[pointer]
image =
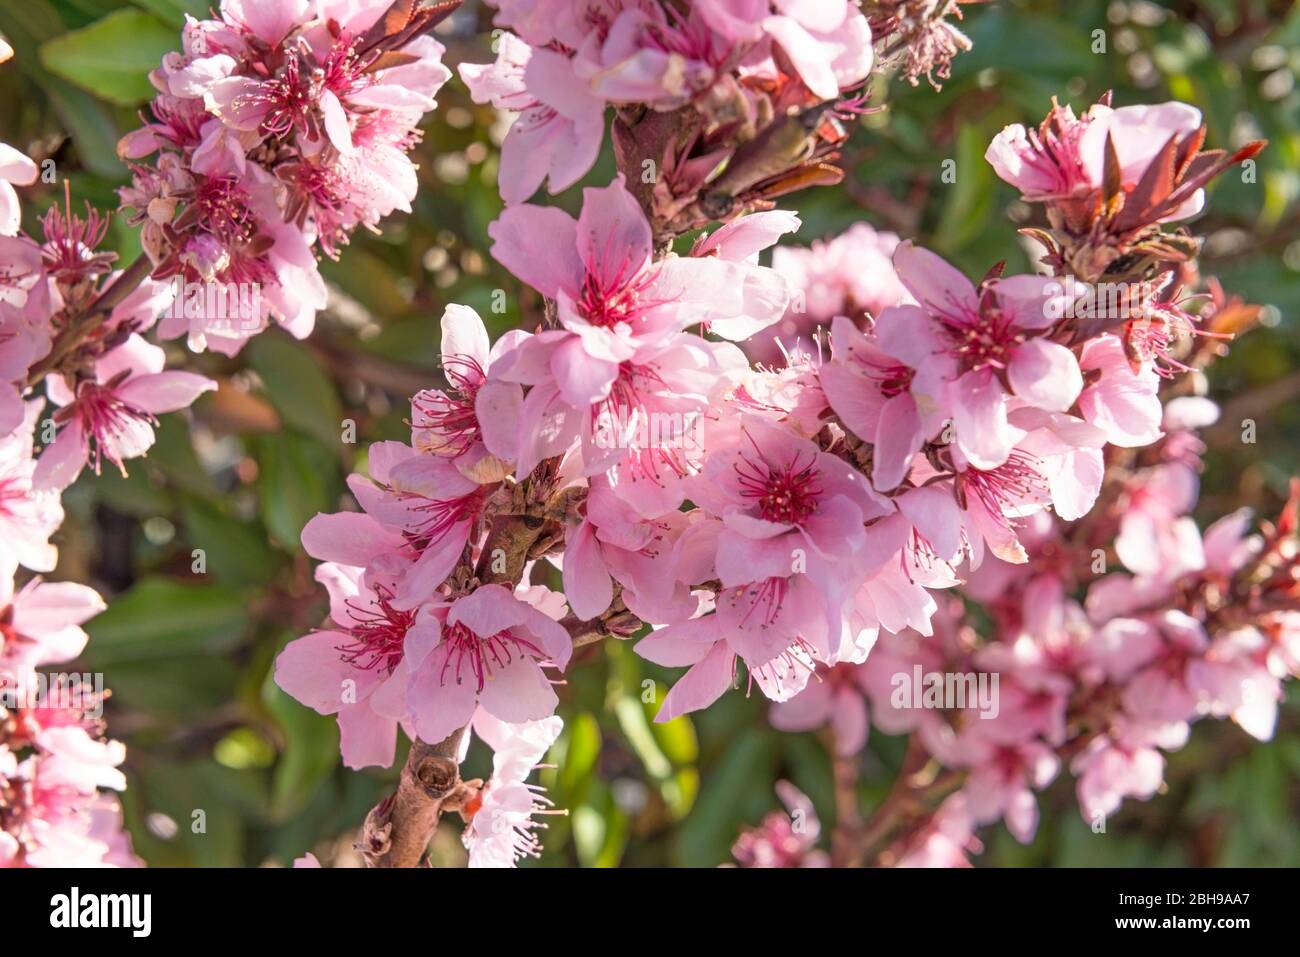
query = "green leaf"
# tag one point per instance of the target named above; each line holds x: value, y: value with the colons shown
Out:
x: 298, y: 387
x: 236, y: 551
x: 173, y: 11
x: 297, y: 481
x: 582, y: 747
x: 112, y: 57
x: 969, y: 199
x: 27, y: 25
x: 171, y: 689
x: 311, y: 751
x: 164, y: 618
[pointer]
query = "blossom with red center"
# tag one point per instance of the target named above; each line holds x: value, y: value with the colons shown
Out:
x: 490, y: 654
x: 974, y: 348
x: 477, y: 412
x: 786, y: 507
x: 620, y: 359
x: 615, y: 542
x: 993, y: 501
x: 112, y: 415
x: 71, y: 244
x: 873, y: 393
x: 358, y: 667
x: 424, y: 501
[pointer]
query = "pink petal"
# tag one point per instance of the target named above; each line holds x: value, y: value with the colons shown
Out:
x: 898, y: 439
x: 548, y: 266
x: 439, y: 703
x: 366, y: 739
x: 63, y: 459
x: 701, y: 686
x: 613, y: 234
x: 980, y: 416
x: 582, y: 379
x: 1045, y: 374
x: 933, y: 282
x: 680, y: 645
x: 498, y: 407
x: 311, y: 671
x: 164, y: 391
x: 349, y: 538
x: 518, y: 692
x: 806, y: 53
x: 587, y: 584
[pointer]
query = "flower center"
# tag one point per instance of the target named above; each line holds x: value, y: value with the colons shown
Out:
x: 287, y: 99
x: 981, y: 340
x: 470, y: 653
x: 784, y: 494
x: 378, y: 633
x: 223, y: 210
x: 620, y: 299
x: 891, y: 380
x: 1006, y: 486
x: 105, y: 416
x: 451, y: 414
x: 438, y: 516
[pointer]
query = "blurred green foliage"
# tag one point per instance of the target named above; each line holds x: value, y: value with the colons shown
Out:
x: 225, y: 769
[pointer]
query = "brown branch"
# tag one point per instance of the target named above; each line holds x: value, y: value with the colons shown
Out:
x: 846, y: 846
x: 616, y: 622
x: 80, y: 327
x: 397, y: 831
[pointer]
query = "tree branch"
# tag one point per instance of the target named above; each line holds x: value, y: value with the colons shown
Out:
x: 80, y: 327
x: 398, y: 829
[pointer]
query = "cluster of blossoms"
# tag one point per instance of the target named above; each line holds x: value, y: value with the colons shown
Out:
x: 53, y: 758
x: 743, y: 96
x: 810, y: 520
x: 279, y: 129
x: 914, y: 440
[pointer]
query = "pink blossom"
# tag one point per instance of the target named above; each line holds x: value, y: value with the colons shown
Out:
x: 1125, y: 765
x: 15, y: 170
x: 833, y: 698
x: 1066, y: 158
x: 619, y: 356
x: 41, y: 624
x: 502, y: 829
x: 27, y: 517
x: 1001, y: 785
x: 1120, y: 398
x: 784, y: 839
x: 846, y: 275
x: 424, y: 501
x: 489, y: 653
x: 358, y: 669
x: 476, y: 412
x: 971, y: 348
x: 117, y: 411
x: 278, y: 128
x: 560, y: 124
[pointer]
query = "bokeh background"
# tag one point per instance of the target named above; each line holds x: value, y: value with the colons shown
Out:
x: 188, y: 656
